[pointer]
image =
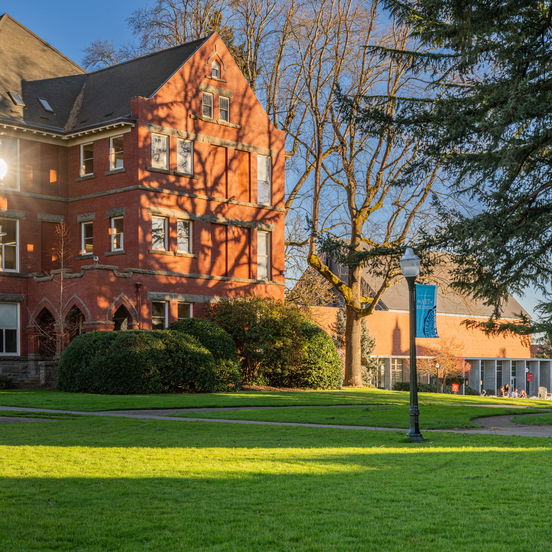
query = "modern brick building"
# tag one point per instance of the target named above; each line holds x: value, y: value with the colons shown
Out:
x: 167, y: 174
x: 491, y: 360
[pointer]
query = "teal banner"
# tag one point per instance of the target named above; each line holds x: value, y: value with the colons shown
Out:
x: 426, y: 310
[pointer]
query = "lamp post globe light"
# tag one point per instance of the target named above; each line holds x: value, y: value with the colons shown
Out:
x: 410, y: 267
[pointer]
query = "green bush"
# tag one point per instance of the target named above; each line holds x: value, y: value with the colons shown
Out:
x: 131, y: 362
x: 319, y: 365
x: 264, y: 331
x: 74, y: 372
x: 277, y: 344
x: 210, y: 335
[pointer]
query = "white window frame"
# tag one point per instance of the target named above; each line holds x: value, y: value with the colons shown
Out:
x: 165, y: 234
x: 18, y: 332
x: 15, y: 166
x: 113, y: 153
x: 190, y: 230
x: 165, y: 314
x: 264, y: 180
x: 179, y: 157
x: 227, y: 118
x: 82, y: 160
x: 216, y: 67
x: 113, y: 234
x: 191, y: 306
x: 3, y: 246
x: 204, y: 105
x: 83, y: 243
x: 263, y: 261
x: 163, y: 164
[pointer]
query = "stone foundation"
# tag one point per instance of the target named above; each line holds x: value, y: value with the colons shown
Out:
x: 29, y: 372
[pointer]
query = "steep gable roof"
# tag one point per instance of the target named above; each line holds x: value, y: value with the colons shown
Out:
x: 34, y: 69
x: 27, y: 60
x: 108, y: 91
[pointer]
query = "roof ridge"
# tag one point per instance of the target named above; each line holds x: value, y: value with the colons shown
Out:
x: 149, y: 55
x: 5, y: 16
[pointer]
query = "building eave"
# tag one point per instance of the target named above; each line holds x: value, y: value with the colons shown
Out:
x: 63, y: 136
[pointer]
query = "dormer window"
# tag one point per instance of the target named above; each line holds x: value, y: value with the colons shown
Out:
x: 16, y: 99
x: 215, y: 69
x: 45, y: 105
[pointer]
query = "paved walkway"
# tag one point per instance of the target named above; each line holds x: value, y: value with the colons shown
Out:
x: 492, y: 425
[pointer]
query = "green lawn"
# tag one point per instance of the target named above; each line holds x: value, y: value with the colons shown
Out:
x: 541, y: 419
x: 83, y: 401
x: 103, y: 484
x: 431, y: 416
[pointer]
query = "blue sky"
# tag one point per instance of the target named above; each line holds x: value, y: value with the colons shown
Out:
x: 71, y: 25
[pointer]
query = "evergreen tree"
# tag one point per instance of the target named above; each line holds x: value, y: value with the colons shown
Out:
x: 489, y: 65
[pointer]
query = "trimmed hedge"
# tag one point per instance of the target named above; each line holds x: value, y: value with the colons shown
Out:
x: 131, y: 362
x: 210, y: 335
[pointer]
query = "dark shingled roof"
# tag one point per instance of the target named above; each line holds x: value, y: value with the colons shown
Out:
x: 395, y: 298
x: 33, y: 69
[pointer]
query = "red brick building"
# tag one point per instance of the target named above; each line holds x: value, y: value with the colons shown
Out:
x: 490, y: 360
x: 167, y: 173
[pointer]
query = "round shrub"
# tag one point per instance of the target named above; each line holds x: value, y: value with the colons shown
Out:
x: 210, y: 335
x: 318, y: 366
x: 74, y: 373
x: 130, y: 362
x: 265, y: 332
x: 277, y: 344
x: 321, y: 366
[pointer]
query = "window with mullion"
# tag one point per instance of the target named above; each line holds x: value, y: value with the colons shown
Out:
x: 116, y: 153
x: 87, y: 159
x: 9, y: 328
x: 117, y: 234
x: 8, y: 244
x: 159, y: 234
x: 185, y: 310
x: 224, y: 109
x: 159, y: 315
x: 263, y: 255
x: 264, y: 184
x: 184, y: 236
x: 87, y: 238
x: 215, y: 69
x: 207, y: 105
x: 185, y: 157
x: 160, y: 151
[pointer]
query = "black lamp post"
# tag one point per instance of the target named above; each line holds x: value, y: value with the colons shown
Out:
x: 410, y: 266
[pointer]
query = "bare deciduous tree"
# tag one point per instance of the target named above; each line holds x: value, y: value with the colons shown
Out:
x: 352, y: 175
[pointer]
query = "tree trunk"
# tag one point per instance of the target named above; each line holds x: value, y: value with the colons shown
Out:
x: 353, y: 366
